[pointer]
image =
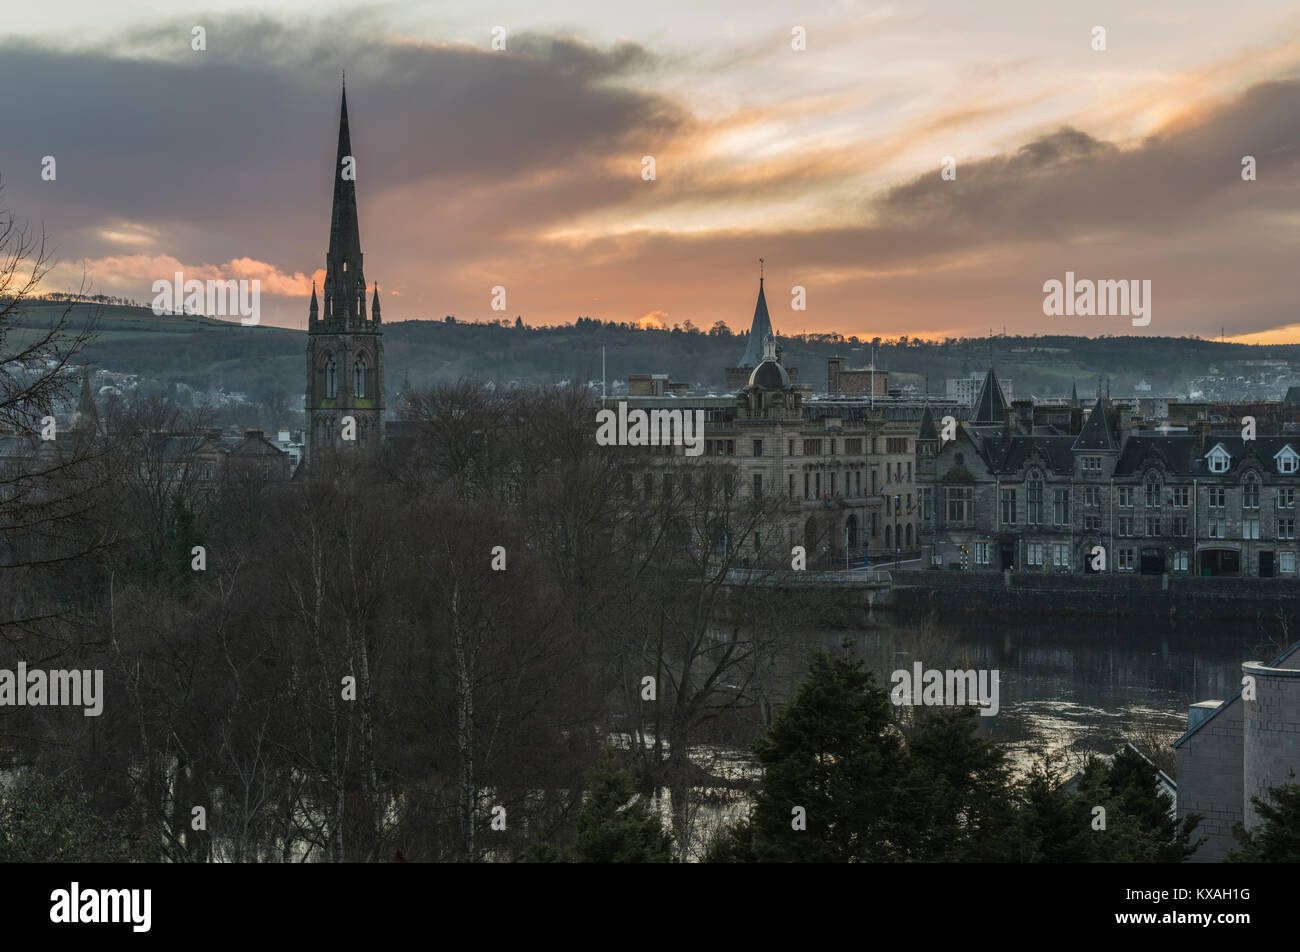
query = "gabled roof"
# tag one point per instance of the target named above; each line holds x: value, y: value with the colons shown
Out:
x: 991, y: 405
x: 1099, y: 433
x: 1277, y: 662
x: 759, y: 331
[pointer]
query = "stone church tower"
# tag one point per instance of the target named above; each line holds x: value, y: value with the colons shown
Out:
x: 345, y: 348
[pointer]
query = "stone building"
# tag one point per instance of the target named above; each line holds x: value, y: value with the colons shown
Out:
x: 345, y: 347
x: 842, y: 468
x: 1043, y: 489
x: 856, y: 382
x: 1238, y: 749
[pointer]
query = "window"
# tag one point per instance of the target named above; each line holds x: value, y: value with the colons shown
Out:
x: 790, y: 491
x: 331, y: 378
x: 359, y: 377
x: 1092, y: 497
x: 1286, y: 499
x: 1250, y: 493
x: 1092, y: 523
x: 1152, y: 494
x: 927, y: 503
x: 873, y: 446
x: 1126, y: 525
x: 207, y: 470
x: 1180, y: 561
x: 807, y: 493
x: 817, y: 484
x: 1180, y: 525
x: 1287, y: 460
x: 1060, y: 555
x: 731, y: 447
x: 1124, y: 560
x: 1286, y: 528
x: 1153, y: 525
x: 758, y: 447
x: 832, y: 449
x: 1035, y: 553
x: 1286, y: 562
x: 1061, y: 507
x: 834, y: 477
x: 1007, y: 505
x: 812, y: 447
x: 959, y: 507
x: 1219, y: 460
x: 1091, y: 465
x: 981, y: 553
x: 668, y: 485
x: 1217, y: 497
x: 1250, y: 528
x: 853, y: 447
x: 1034, y: 513
x: 858, y: 481
x: 909, y: 471
x: 1216, y: 527
x: 648, y: 484
x: 1126, y: 497
x: 895, y: 444
x: 790, y: 451
x: 1180, y: 497
x: 758, y: 485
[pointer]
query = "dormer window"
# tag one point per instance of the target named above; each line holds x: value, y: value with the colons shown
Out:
x: 1219, y: 459
x: 1288, y: 460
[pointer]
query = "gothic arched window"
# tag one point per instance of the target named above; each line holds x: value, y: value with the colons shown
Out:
x: 331, y: 378
x: 359, y: 376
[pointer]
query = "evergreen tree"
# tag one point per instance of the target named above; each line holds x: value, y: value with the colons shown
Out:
x: 834, y: 755
x: 956, y: 802
x: 1277, y: 837
x: 617, y: 826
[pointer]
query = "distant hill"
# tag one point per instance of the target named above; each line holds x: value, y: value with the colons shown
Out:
x: 206, y: 353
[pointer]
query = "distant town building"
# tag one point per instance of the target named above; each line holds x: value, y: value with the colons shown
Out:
x: 1030, y: 488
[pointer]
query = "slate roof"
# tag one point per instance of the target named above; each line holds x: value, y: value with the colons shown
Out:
x: 926, y: 430
x: 991, y: 404
x: 1183, y: 455
x: 1101, y: 430
x: 759, y: 331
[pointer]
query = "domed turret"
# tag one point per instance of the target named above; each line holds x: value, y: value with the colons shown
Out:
x: 769, y: 374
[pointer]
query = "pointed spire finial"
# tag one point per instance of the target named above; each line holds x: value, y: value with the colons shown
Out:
x: 345, y: 79
x: 760, y: 270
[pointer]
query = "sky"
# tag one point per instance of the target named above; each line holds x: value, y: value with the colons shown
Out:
x: 524, y: 167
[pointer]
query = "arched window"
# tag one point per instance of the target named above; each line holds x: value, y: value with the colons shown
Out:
x: 331, y: 378
x: 359, y: 376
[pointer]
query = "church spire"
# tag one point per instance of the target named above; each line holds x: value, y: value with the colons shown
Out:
x: 344, y: 280
x: 374, y: 307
